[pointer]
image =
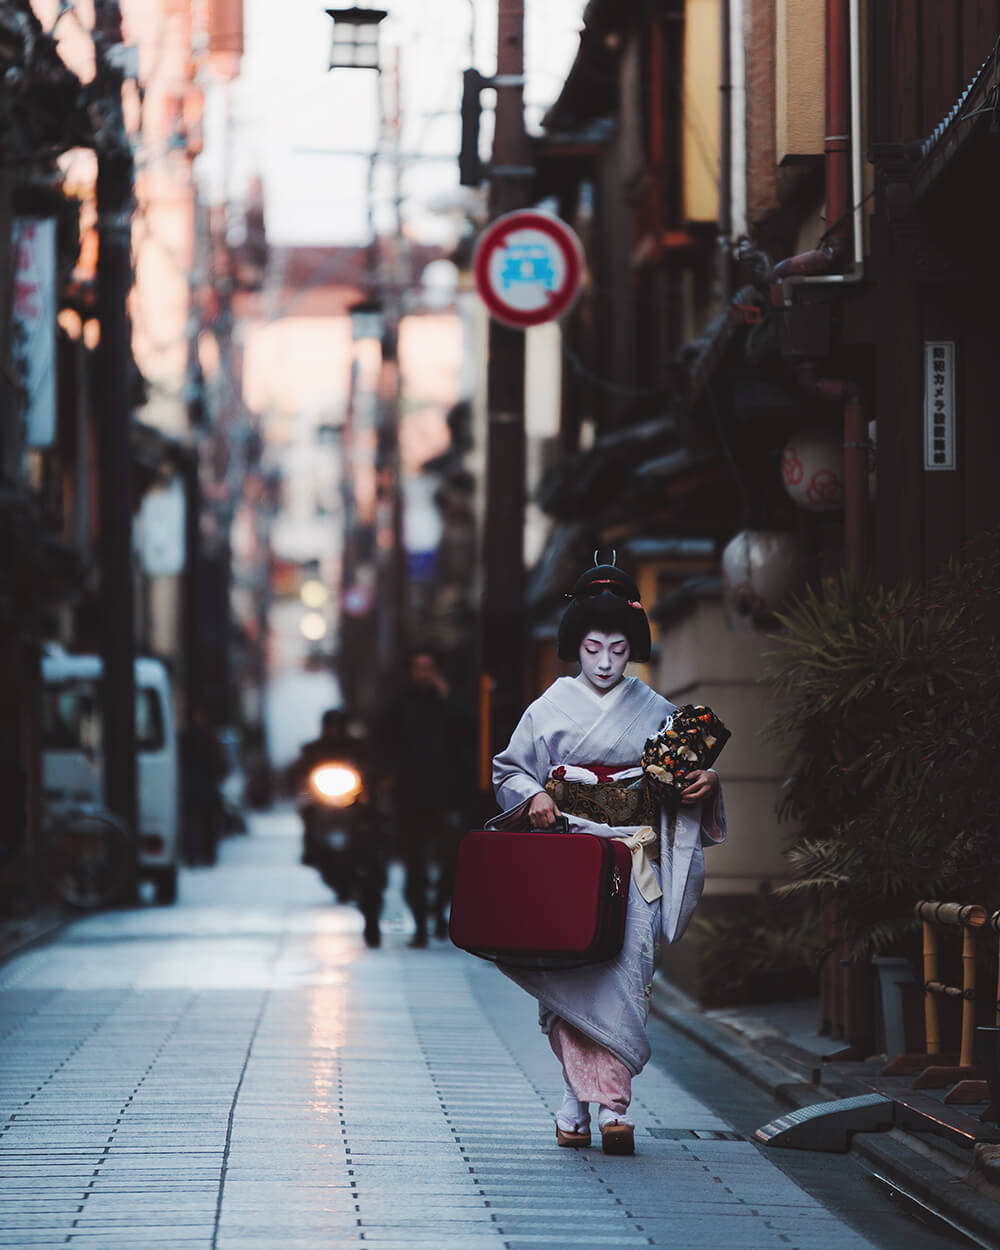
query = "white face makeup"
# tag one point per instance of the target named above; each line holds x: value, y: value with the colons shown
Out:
x: 603, y: 658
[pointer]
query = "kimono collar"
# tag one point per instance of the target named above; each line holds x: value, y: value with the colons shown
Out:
x: 609, y: 697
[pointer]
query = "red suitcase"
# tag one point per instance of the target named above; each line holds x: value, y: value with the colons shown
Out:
x: 540, y: 900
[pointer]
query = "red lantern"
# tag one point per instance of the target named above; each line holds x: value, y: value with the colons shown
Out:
x: 812, y: 468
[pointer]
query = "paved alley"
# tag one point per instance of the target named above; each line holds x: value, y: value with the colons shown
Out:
x: 239, y: 1071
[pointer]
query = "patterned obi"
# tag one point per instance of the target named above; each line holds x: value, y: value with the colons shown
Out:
x: 606, y: 796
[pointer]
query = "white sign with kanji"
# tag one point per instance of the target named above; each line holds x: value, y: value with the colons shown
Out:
x: 939, y: 405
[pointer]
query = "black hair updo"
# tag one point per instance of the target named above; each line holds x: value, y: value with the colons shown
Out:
x: 607, y: 599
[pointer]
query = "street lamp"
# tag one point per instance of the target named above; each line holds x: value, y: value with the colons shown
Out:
x: 356, y: 46
x: 355, y: 38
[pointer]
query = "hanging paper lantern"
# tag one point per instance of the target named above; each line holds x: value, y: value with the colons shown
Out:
x: 812, y: 468
x: 760, y: 568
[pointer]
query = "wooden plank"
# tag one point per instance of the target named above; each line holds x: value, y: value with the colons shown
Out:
x: 980, y: 27
x: 968, y: 1093
x: 911, y: 1064
x: 941, y: 69
x: 940, y: 1076
x: 978, y: 433
x: 879, y: 68
x: 899, y: 413
x: 902, y: 19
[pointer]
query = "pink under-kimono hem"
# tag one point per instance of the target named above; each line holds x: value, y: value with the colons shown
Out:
x: 592, y: 1072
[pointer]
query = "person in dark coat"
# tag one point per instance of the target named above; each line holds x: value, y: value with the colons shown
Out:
x: 203, y: 768
x: 423, y: 742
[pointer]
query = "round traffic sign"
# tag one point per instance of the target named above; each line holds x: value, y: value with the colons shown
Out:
x: 528, y: 267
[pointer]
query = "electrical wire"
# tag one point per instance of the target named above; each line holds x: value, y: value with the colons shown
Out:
x: 607, y: 384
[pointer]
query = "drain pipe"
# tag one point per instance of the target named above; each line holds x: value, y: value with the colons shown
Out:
x: 843, y: 203
x: 843, y: 177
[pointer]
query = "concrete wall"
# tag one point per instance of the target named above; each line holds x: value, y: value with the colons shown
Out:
x: 703, y: 662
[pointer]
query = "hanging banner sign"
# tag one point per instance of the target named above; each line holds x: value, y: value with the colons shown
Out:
x: 529, y: 268
x: 34, y: 248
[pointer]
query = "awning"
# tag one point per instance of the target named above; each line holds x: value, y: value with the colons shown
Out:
x: 591, y: 87
x: 976, y: 111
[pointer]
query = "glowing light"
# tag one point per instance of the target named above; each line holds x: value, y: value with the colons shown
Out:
x: 313, y: 593
x: 338, y: 783
x: 71, y: 322
x: 313, y: 626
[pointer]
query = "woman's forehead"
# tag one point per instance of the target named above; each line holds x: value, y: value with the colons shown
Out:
x: 598, y: 635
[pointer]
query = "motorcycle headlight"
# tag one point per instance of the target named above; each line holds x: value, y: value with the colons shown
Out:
x: 336, y: 784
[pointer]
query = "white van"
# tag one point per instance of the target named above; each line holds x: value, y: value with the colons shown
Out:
x: 72, y: 761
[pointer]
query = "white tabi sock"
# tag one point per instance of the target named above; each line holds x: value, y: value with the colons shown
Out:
x: 606, y: 1116
x: 573, y: 1116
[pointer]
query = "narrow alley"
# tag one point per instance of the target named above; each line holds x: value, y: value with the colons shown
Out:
x: 239, y: 1071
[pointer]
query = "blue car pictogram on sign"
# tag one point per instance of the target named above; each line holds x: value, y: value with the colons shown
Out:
x: 527, y: 263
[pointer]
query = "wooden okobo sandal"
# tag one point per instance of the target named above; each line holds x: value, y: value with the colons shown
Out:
x: 563, y: 1138
x: 618, y: 1138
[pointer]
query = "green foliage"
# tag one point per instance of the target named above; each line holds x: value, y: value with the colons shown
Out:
x: 769, y: 952
x: 889, y: 702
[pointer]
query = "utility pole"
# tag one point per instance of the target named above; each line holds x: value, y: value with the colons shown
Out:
x: 390, y: 555
x: 114, y: 281
x: 511, y: 174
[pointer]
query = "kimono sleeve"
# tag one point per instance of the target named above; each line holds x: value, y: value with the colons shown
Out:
x: 713, y: 820
x: 518, y: 772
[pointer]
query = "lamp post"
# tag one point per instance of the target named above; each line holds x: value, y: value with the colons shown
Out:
x: 356, y: 46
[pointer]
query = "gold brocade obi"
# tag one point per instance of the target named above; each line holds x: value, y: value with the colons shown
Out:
x: 606, y: 802
x: 618, y: 803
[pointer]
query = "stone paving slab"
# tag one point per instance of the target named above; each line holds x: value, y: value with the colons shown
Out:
x: 242, y: 1074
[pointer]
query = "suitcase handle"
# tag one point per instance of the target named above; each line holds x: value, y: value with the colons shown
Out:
x: 516, y: 823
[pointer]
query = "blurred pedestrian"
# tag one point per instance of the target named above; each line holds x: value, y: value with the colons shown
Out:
x: 423, y: 742
x: 203, y: 766
x: 13, y: 832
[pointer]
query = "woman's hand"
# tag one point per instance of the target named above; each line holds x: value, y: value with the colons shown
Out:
x: 700, y: 785
x: 542, y: 812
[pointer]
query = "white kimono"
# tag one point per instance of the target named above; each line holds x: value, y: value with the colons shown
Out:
x: 571, y: 724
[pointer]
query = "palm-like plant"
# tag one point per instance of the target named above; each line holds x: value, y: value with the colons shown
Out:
x: 889, y: 700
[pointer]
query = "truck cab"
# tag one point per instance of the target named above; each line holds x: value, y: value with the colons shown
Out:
x: 73, y: 762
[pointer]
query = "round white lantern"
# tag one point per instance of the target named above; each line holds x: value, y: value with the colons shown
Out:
x: 760, y: 568
x: 812, y: 468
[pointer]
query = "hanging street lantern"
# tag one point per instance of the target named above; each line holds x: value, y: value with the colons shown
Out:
x: 355, y: 38
x: 812, y: 468
x: 760, y: 568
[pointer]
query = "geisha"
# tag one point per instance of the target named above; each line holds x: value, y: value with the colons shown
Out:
x: 576, y: 752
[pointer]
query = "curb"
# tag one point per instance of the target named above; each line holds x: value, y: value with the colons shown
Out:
x: 41, y: 926
x: 964, y: 1199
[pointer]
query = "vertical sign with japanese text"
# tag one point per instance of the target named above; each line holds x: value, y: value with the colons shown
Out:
x: 34, y: 244
x: 939, y: 405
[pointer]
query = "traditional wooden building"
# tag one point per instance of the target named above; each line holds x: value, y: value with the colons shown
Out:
x: 783, y: 363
